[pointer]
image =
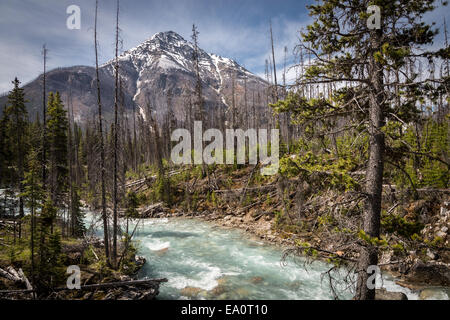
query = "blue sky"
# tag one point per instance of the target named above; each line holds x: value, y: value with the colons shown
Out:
x: 230, y: 28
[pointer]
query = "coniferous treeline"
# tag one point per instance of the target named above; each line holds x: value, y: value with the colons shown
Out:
x: 47, y: 202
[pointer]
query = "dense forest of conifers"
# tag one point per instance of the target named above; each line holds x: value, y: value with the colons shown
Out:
x: 368, y: 111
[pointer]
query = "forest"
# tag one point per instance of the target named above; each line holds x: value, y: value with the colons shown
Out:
x: 363, y: 177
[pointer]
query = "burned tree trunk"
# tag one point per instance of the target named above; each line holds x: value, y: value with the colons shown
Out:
x: 102, y: 145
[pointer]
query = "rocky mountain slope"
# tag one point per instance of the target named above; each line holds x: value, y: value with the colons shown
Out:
x: 160, y: 65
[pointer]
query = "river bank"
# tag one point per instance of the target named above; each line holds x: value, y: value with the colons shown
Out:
x: 98, y: 281
x: 427, y: 282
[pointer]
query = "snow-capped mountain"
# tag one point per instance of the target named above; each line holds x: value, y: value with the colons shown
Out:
x: 148, y: 72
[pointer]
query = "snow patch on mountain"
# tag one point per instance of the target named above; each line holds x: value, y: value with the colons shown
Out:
x: 166, y: 63
x: 167, y: 53
x: 216, y: 59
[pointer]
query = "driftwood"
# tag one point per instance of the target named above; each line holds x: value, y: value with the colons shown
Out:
x: 25, y: 279
x: 145, y: 180
x: 6, y: 274
x: 150, y: 210
x: 117, y: 284
x: 256, y: 218
x: 12, y: 271
x: 422, y: 190
x: 97, y: 286
x: 240, y: 190
x: 248, y: 183
x: 96, y: 257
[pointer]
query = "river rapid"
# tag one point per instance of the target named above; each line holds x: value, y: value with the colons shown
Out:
x: 204, y: 261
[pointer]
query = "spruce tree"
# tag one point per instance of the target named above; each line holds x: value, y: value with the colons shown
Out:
x: 5, y: 150
x: 33, y: 195
x: 78, y: 228
x: 57, y: 126
x: 48, y: 262
x: 16, y: 128
x: 359, y: 57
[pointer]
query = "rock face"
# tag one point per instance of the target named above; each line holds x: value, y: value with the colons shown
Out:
x: 160, y: 65
x: 383, y: 294
x: 430, y: 274
x: 434, y: 294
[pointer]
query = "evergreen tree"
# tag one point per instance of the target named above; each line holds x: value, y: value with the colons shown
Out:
x: 33, y: 195
x: 360, y: 58
x: 49, y: 268
x: 57, y: 126
x: 132, y: 204
x: 16, y: 127
x: 78, y: 228
x: 5, y: 151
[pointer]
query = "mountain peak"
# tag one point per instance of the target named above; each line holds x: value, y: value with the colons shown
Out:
x: 167, y: 36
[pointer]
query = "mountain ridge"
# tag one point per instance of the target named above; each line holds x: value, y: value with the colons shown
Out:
x: 159, y: 65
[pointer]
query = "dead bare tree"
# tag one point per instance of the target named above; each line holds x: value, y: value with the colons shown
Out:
x: 44, y: 118
x: 116, y: 122
x: 102, y: 144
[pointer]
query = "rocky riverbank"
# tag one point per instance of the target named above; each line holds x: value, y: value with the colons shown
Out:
x: 421, y: 276
x: 98, y: 281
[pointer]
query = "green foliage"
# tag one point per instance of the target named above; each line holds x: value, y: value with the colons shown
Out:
x: 50, y: 267
x: 332, y: 171
x: 398, y: 249
x: 422, y: 163
x: 13, y: 136
x: 278, y: 218
x: 325, y: 220
x: 399, y: 225
x: 214, y: 198
x: 57, y: 127
x: 132, y: 203
x: 161, y: 189
x: 33, y: 192
x: 374, y: 241
x: 78, y: 215
x: 128, y: 265
x: 436, y: 242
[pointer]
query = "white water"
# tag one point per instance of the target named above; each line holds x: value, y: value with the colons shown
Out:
x: 193, y: 253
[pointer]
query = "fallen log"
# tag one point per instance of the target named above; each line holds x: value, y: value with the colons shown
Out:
x: 25, y: 279
x: 422, y: 190
x: 239, y: 190
x: 13, y: 272
x: 117, y: 284
x: 256, y: 218
x: 9, y: 276
x: 149, y: 211
x: 96, y: 286
x: 149, y: 179
x: 248, y: 183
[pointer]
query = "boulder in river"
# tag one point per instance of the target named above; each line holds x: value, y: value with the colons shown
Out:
x: 139, y: 260
x: 433, y: 294
x: 242, y: 293
x: 430, y: 274
x: 222, y: 280
x: 162, y: 251
x: 190, y: 292
x: 383, y: 294
x: 217, y: 291
x: 295, y: 285
x: 256, y: 280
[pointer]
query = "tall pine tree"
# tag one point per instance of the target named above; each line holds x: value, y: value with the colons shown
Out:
x: 16, y: 128
x: 351, y: 51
